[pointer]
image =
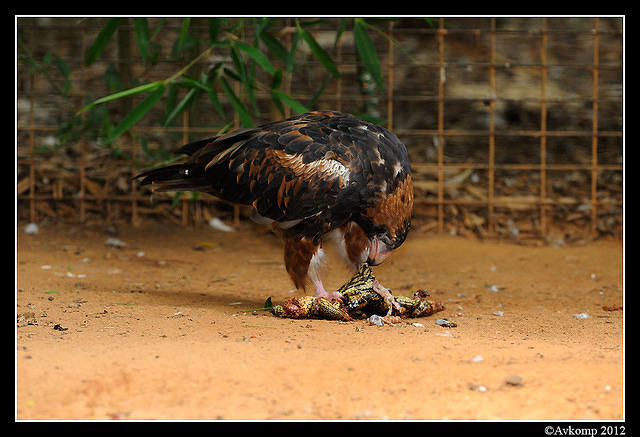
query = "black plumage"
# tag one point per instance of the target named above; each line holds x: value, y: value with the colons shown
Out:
x: 308, y: 175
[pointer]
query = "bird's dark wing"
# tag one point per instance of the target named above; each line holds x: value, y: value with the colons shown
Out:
x: 310, y: 173
x: 305, y: 168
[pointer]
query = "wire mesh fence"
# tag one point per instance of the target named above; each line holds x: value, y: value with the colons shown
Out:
x: 514, y: 126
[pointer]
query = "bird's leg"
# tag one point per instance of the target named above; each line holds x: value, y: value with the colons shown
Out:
x: 321, y: 292
x: 315, y: 266
x: 303, y: 259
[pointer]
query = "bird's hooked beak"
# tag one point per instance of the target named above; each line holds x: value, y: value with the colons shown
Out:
x: 378, y: 252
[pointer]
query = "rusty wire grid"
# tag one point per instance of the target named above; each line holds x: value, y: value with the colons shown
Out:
x: 514, y: 126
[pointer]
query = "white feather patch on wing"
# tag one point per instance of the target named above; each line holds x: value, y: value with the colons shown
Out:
x: 324, y: 167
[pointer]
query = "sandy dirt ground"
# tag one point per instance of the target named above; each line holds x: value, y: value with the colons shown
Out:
x: 155, y: 329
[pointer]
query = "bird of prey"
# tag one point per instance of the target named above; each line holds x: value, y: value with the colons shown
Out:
x: 317, y: 176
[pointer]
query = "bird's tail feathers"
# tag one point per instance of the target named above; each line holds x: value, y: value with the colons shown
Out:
x: 190, y: 176
x: 178, y: 177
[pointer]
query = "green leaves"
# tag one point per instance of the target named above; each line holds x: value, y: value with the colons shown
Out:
x: 101, y: 40
x: 257, y: 56
x: 275, y: 47
x: 177, y: 109
x: 367, y: 51
x: 319, y: 53
x: 241, y: 63
x: 183, y: 33
x: 289, y: 101
x: 137, y: 113
x: 142, y: 37
x: 241, y: 110
x: 137, y: 90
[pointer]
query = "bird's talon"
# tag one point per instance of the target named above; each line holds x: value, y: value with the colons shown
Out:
x: 335, y: 296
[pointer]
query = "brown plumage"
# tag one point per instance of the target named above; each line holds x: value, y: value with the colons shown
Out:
x: 313, y: 176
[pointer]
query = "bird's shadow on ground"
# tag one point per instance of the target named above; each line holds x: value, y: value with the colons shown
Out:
x: 206, y: 299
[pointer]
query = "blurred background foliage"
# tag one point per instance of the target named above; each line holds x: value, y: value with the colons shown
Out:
x: 235, y: 58
x: 511, y: 123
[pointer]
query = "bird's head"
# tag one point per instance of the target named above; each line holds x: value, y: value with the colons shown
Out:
x: 383, y: 243
x: 388, y: 221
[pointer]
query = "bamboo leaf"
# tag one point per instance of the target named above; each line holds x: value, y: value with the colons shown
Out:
x: 65, y: 71
x: 170, y: 101
x: 101, y: 40
x: 292, y: 52
x: 62, y: 66
x: 137, y: 90
x: 245, y: 118
x: 320, y: 53
x: 216, y: 103
x: 232, y: 74
x: 367, y: 52
x: 250, y: 86
x: 275, y: 84
x: 224, y: 129
x: 257, y: 56
x: 213, y: 95
x: 136, y: 113
x: 276, y: 101
x: 319, y: 92
x: 112, y: 79
x: 239, y: 65
x: 291, y: 102
x: 156, y: 31
x: 275, y: 47
x: 192, y: 83
x: 260, y: 24
x: 371, y: 118
x: 189, y: 65
x: 142, y: 37
x: 430, y: 21
x: 276, y: 80
x: 340, y: 31
x: 183, y: 33
x: 180, y: 106
x: 214, y: 28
